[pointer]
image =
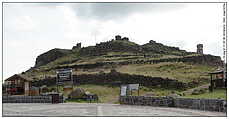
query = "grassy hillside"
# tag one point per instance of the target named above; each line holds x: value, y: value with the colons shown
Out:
x: 185, y: 72
x: 178, y: 70
x: 108, y: 94
x: 217, y: 93
x: 151, y: 59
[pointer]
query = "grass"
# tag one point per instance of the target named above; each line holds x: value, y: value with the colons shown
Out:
x: 156, y: 91
x: 108, y: 94
x: 217, y: 93
x: 180, y: 71
x: 80, y: 101
x: 176, y: 70
x: 126, y: 43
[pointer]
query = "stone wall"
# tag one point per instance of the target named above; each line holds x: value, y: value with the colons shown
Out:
x: 30, y: 99
x: 27, y: 99
x: 204, y: 59
x: 116, y: 79
x: 201, y: 104
x: 150, y: 101
x: 218, y: 105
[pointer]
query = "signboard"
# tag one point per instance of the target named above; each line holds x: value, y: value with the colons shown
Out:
x: 64, y: 75
x: 123, y: 90
x: 133, y: 86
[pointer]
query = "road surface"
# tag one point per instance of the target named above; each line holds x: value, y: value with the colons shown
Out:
x: 97, y: 109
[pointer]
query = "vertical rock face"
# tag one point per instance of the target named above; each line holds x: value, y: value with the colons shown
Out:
x: 50, y: 56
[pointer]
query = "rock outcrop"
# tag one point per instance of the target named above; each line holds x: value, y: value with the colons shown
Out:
x: 50, y: 56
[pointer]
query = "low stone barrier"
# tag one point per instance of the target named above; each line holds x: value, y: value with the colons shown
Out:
x: 218, y: 105
x: 201, y: 104
x: 27, y: 99
x: 151, y: 101
x: 121, y: 78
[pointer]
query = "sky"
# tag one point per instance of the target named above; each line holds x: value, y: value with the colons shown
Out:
x: 30, y: 29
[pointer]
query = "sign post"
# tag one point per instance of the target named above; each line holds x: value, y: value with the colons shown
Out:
x: 123, y: 91
x: 127, y: 89
x: 131, y: 87
x: 64, y: 76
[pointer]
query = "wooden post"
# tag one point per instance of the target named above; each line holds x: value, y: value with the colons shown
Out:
x: 57, y: 83
x: 57, y: 90
x: 211, y: 86
x: 138, y: 91
x: 72, y: 80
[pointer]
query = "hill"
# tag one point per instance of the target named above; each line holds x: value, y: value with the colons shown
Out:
x: 50, y: 56
x: 119, y: 54
x: 119, y: 61
x: 150, y: 59
x: 118, y: 46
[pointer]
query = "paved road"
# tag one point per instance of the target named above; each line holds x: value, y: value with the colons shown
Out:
x: 93, y: 109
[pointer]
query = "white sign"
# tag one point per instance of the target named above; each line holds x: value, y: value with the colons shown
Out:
x: 123, y: 90
x: 133, y: 86
x: 64, y: 75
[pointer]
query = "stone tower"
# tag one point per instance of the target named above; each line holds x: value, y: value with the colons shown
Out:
x: 199, y: 49
x: 77, y: 46
x: 118, y: 37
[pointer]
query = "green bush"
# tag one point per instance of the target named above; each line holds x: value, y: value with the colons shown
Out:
x: 195, y: 92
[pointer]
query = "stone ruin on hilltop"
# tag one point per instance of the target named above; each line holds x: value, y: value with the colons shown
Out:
x: 77, y: 46
x: 118, y: 37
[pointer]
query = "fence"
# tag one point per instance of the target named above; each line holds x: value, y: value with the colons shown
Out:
x: 201, y: 104
x: 29, y: 99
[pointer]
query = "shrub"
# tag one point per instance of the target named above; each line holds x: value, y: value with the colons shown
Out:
x: 202, y: 91
x: 196, y: 92
x: 45, y: 90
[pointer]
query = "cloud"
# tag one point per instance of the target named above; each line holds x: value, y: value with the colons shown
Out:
x: 25, y: 23
x: 32, y: 29
x: 117, y: 11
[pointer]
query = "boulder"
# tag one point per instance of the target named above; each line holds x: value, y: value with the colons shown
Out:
x: 77, y: 93
x: 150, y: 94
x: 173, y: 95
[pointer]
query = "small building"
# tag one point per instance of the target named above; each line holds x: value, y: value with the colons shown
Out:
x: 218, y: 79
x: 18, y: 85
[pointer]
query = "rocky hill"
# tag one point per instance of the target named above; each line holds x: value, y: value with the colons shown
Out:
x: 50, y: 56
x: 118, y: 45
x: 120, y: 54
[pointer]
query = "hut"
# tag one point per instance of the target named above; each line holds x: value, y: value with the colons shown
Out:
x: 218, y: 79
x: 18, y: 85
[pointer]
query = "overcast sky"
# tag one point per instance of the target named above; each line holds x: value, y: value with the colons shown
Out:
x: 30, y: 29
